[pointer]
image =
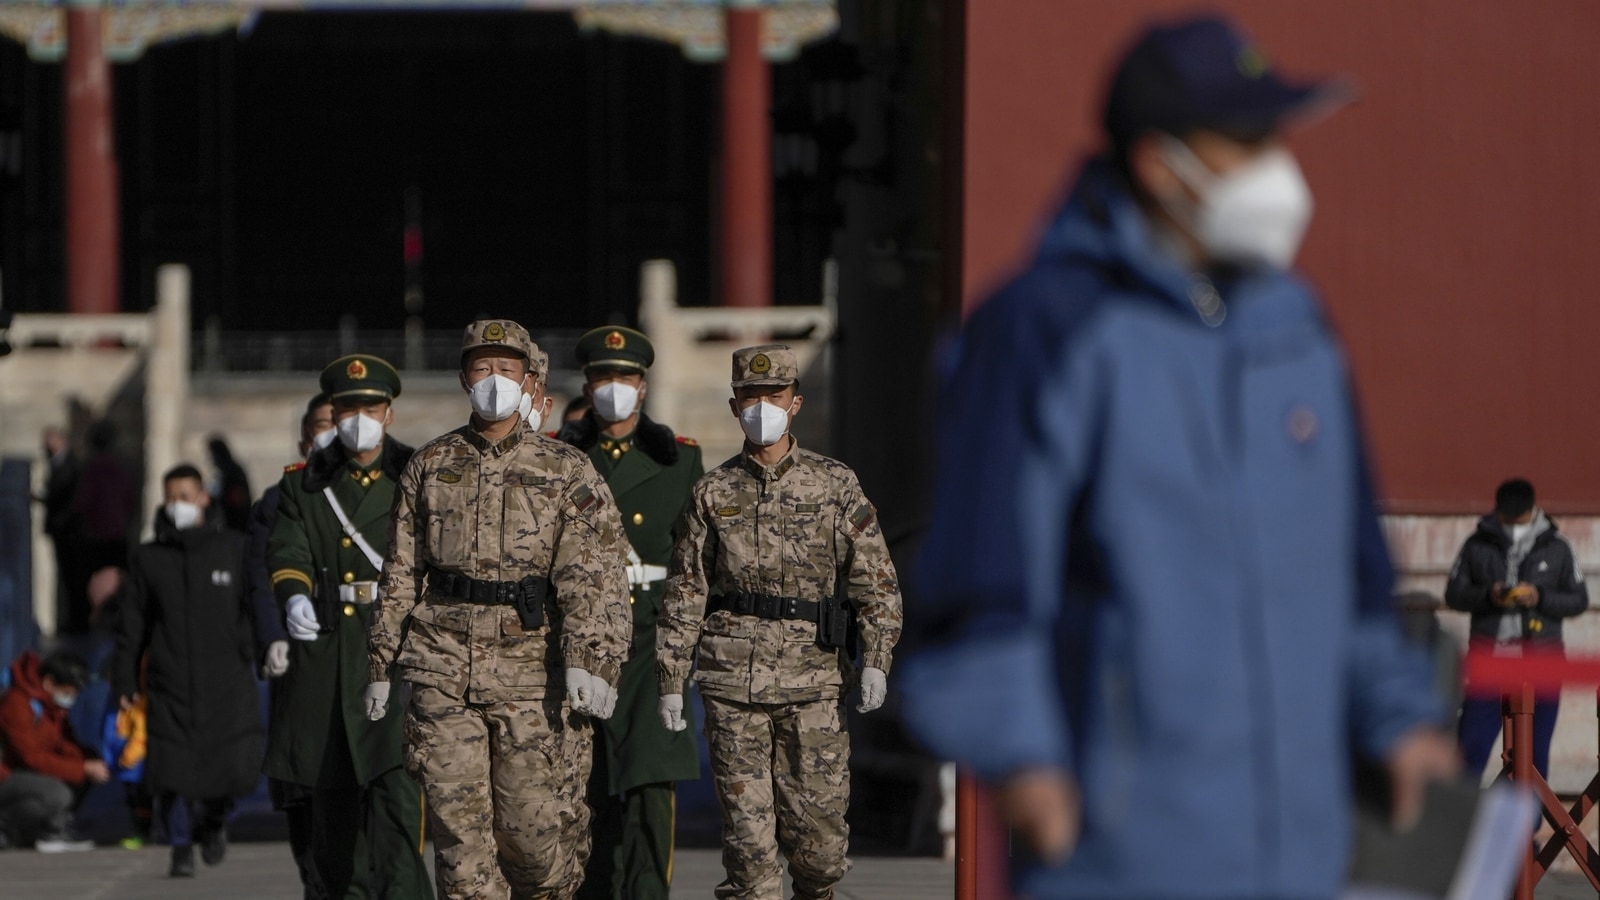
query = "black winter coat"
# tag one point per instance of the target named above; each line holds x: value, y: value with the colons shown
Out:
x: 185, y: 604
x: 1549, y: 566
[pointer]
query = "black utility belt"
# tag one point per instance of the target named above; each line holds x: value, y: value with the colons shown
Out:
x: 527, y: 595
x: 766, y: 606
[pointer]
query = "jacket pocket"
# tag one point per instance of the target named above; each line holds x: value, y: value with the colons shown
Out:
x: 723, y: 656
x: 805, y: 663
x: 433, y: 654
x: 520, y: 656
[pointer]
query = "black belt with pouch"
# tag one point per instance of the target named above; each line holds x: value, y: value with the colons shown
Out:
x: 832, y: 616
x: 528, y: 595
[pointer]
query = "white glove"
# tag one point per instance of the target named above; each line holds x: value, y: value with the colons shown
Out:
x: 590, y: 695
x: 301, y: 617
x: 377, y: 700
x: 670, y: 709
x: 874, y: 687
x: 277, y: 659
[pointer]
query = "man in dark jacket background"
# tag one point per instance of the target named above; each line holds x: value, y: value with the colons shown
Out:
x: 185, y: 603
x: 1518, y: 578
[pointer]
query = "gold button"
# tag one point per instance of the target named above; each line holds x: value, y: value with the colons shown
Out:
x: 349, y: 577
x: 638, y: 518
x: 349, y: 609
x: 1536, y: 625
x: 366, y: 482
x: 617, y: 453
x: 344, y: 542
x: 630, y: 598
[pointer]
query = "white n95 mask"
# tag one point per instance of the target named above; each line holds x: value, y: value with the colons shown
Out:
x: 184, y: 515
x: 615, y: 401
x: 764, y: 423
x: 360, y: 433
x: 324, y: 438
x: 495, y: 398
x: 1255, y: 215
x: 533, y: 418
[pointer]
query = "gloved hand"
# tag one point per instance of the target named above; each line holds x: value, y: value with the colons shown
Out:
x: 277, y: 659
x: 580, y: 691
x: 301, y: 617
x: 605, y: 698
x: 670, y: 709
x: 377, y: 696
x: 874, y: 687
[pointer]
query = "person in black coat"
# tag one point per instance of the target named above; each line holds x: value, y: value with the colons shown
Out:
x: 186, y: 615
x: 1518, y: 578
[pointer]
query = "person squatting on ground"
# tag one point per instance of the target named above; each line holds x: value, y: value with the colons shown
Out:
x: 504, y: 584
x: 1156, y: 600
x: 650, y: 472
x: 316, y: 432
x: 781, y: 558
x: 324, y: 554
x: 184, y: 624
x: 44, y: 771
x: 1518, y: 578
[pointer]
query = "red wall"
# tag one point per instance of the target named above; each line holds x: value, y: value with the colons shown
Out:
x: 1458, y: 217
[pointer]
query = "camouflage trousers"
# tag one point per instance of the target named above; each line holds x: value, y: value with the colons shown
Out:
x: 504, y: 783
x: 782, y: 776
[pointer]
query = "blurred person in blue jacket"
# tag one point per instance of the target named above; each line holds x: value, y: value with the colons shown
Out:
x: 1155, y: 600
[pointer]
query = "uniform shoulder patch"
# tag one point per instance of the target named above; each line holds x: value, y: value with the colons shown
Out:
x: 863, y: 516
x: 688, y: 441
x: 584, y: 498
x: 294, y: 467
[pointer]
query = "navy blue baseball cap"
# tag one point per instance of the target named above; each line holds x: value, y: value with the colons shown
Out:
x: 1203, y: 73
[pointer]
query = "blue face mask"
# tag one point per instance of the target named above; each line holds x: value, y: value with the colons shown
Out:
x: 64, y: 701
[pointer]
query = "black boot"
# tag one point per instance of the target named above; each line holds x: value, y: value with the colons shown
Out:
x: 215, y: 845
x: 182, y: 862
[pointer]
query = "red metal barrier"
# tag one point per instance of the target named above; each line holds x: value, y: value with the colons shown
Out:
x: 1517, y: 679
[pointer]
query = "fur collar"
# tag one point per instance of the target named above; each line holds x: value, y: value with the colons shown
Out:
x: 656, y: 440
x: 330, y: 461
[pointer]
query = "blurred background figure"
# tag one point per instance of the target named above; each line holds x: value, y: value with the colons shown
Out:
x: 231, y: 489
x: 576, y: 408
x: 1518, y: 577
x: 1156, y: 600
x: 61, y: 524
x: 44, y: 771
x: 184, y: 603
x: 105, y: 506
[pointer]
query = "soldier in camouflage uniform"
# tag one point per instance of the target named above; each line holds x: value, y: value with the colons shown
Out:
x: 504, y: 585
x: 770, y: 541
x: 364, y: 813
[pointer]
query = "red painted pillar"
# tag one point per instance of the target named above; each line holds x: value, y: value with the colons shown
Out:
x: 92, y: 209
x: 746, y: 163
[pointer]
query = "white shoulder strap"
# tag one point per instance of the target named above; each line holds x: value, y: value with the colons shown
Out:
x: 351, y: 532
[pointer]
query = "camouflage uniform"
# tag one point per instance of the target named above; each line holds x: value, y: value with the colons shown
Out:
x: 779, y: 751
x: 501, y: 757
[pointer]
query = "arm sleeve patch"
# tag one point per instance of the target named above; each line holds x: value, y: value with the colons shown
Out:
x: 862, y: 517
x: 584, y: 499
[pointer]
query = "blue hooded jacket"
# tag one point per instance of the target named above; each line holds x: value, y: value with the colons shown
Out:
x: 1161, y: 568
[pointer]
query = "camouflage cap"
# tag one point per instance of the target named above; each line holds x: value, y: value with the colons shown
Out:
x: 360, y: 375
x: 614, y: 346
x: 766, y: 364
x: 505, y: 334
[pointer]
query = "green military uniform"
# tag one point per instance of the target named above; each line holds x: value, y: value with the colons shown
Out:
x: 366, y: 812
x: 650, y: 473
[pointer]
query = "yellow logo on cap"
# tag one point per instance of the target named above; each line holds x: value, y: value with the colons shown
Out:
x: 1251, y: 63
x: 615, y: 341
x: 357, y: 369
x: 760, y: 364
x: 494, y: 331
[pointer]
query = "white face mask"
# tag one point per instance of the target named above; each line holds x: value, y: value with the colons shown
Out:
x: 1255, y: 215
x: 184, y: 515
x: 323, y: 439
x: 615, y: 401
x: 534, y: 418
x: 495, y: 398
x: 764, y: 423
x: 360, y: 433
x: 64, y: 701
